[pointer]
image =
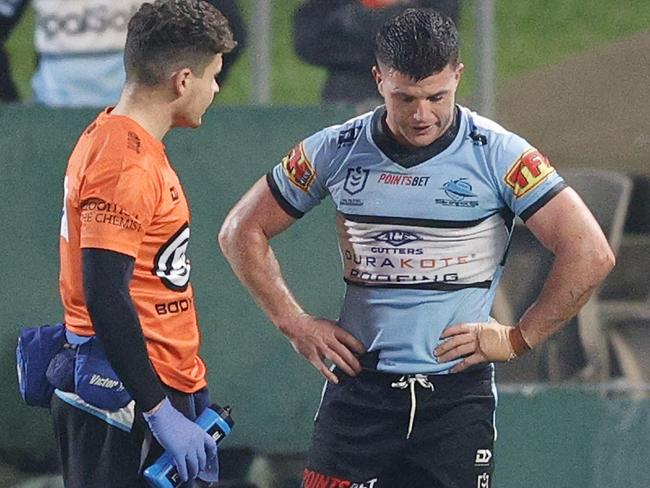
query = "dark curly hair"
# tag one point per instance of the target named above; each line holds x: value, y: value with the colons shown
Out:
x: 166, y: 35
x: 417, y: 43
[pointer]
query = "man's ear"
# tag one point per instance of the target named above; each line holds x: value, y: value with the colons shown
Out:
x: 181, y: 80
x: 459, y: 70
x: 376, y: 74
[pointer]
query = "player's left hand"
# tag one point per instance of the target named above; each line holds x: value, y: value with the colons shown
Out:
x: 480, y: 342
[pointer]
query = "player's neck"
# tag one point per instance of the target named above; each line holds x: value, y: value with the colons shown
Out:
x: 149, y: 108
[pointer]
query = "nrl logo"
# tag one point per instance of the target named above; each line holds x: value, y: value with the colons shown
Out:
x: 356, y: 179
x: 397, y: 237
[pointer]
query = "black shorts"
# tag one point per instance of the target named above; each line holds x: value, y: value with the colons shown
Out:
x: 96, y: 454
x: 380, y: 430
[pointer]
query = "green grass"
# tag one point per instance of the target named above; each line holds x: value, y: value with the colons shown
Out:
x: 531, y: 37
x: 531, y: 34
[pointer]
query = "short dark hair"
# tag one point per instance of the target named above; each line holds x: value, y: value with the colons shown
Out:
x: 418, y: 43
x: 166, y: 35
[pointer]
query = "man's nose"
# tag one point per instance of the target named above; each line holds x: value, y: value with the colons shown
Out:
x: 421, y: 113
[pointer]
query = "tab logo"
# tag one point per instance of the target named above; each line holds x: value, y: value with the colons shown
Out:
x: 483, y: 457
x: 356, y: 179
x: 531, y: 169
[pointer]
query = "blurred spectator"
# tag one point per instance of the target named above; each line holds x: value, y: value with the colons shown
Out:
x: 338, y: 35
x: 232, y: 11
x: 79, y: 45
x: 10, y: 11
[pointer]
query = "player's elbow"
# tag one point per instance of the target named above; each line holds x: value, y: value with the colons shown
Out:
x: 591, y: 255
x: 228, y: 236
x: 235, y: 236
x: 606, y: 260
x: 601, y: 260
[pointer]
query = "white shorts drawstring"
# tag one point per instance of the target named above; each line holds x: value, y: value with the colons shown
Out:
x: 409, y: 381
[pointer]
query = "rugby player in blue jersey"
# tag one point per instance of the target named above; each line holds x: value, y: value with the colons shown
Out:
x: 425, y: 192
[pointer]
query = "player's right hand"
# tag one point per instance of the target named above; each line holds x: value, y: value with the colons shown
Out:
x: 192, y: 449
x: 321, y: 340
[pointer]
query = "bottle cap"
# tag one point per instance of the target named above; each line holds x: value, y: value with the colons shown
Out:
x: 224, y: 413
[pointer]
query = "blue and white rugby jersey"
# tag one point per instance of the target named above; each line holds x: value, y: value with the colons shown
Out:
x: 422, y: 235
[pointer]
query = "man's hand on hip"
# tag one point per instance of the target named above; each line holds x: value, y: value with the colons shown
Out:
x: 319, y: 340
x: 480, y: 342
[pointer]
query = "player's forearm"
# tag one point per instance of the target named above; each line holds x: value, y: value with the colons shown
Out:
x: 254, y: 263
x: 106, y: 277
x: 576, y: 273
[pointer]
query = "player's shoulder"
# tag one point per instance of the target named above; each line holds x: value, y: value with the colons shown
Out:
x: 121, y: 141
x: 490, y: 129
x: 322, y: 152
x: 332, y: 144
x: 497, y: 141
x: 343, y: 135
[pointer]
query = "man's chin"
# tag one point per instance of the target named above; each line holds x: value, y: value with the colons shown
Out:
x: 187, y: 124
x: 418, y: 141
x: 195, y: 122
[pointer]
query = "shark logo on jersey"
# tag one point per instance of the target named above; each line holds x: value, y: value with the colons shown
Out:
x: 356, y: 179
x: 397, y: 237
x: 458, y: 190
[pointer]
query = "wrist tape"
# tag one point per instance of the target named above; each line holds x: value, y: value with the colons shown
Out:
x: 500, y: 342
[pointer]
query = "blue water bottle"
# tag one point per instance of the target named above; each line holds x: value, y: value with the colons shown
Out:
x: 216, y: 421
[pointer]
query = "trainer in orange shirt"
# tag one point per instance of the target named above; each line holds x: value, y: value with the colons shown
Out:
x: 124, y: 277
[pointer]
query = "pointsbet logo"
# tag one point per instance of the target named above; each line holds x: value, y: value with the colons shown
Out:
x: 313, y: 479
